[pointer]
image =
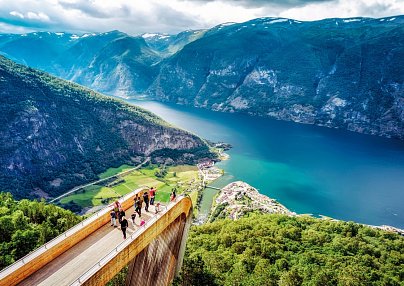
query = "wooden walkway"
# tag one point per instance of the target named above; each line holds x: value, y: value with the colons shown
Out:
x: 66, y: 268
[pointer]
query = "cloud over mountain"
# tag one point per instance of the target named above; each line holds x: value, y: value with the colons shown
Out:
x: 172, y: 16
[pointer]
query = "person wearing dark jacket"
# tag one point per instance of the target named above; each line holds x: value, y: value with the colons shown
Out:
x: 173, y: 196
x: 133, y: 216
x: 124, y: 225
x: 121, y: 214
x: 146, y: 201
x: 138, y: 206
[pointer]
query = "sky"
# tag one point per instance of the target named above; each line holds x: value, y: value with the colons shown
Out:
x: 172, y: 16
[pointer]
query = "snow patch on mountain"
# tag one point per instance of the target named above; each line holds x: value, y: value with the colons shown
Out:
x: 277, y: 21
x: 352, y: 20
x: 154, y: 35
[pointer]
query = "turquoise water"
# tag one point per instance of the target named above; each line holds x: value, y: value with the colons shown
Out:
x: 309, y: 169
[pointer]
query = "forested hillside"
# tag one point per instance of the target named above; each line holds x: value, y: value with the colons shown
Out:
x: 55, y: 135
x: 25, y: 225
x: 340, y: 73
x: 281, y: 250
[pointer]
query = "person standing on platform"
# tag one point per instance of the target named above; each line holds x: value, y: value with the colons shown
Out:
x: 133, y: 216
x: 152, y: 194
x: 124, y: 225
x: 138, y: 206
x: 146, y: 201
x: 121, y: 214
x: 134, y: 201
x: 173, y: 196
x: 157, y: 207
x: 116, y: 207
x: 113, y: 218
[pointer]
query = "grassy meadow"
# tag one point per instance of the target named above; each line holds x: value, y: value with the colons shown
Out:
x: 183, y: 177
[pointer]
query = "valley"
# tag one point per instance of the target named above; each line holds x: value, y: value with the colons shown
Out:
x: 349, y: 76
x: 269, y: 133
x: 56, y: 135
x: 182, y: 178
x: 308, y: 169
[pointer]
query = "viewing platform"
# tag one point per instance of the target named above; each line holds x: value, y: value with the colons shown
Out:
x: 93, y: 252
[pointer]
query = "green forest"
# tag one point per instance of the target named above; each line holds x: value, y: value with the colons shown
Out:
x: 259, y: 249
x: 281, y: 250
x: 57, y: 135
x: 26, y: 225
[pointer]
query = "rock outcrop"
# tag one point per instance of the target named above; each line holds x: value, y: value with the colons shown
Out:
x: 340, y: 73
x: 55, y: 134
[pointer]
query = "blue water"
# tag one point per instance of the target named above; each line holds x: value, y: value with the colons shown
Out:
x: 309, y: 169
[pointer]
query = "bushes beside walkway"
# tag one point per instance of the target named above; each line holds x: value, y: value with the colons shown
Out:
x: 26, y: 225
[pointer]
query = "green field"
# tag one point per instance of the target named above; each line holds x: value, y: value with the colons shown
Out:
x: 180, y: 177
x: 113, y: 171
x: 90, y: 196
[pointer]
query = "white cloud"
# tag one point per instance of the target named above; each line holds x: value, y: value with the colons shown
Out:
x: 17, y: 14
x: 209, y: 14
x: 141, y: 16
x: 31, y: 16
x: 6, y: 28
x: 37, y: 16
x: 346, y: 9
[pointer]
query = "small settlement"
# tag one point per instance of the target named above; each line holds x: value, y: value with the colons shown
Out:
x: 238, y: 198
x: 208, y: 171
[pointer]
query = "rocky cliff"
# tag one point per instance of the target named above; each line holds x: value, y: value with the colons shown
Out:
x: 55, y: 134
x: 342, y: 73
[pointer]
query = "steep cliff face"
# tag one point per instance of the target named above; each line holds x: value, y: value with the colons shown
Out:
x: 122, y: 67
x: 343, y: 73
x: 112, y: 62
x: 56, y: 134
x: 166, y: 45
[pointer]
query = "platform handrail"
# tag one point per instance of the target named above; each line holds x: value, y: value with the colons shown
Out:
x: 104, y: 260
x: 35, y: 253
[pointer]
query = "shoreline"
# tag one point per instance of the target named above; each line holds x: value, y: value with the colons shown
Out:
x: 209, y: 173
x: 238, y: 198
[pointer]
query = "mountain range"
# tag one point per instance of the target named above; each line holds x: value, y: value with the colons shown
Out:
x: 56, y: 134
x: 341, y: 73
